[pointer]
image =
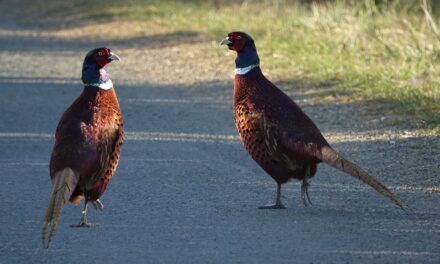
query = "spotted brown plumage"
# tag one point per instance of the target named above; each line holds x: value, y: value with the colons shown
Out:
x: 88, y: 143
x: 278, y: 135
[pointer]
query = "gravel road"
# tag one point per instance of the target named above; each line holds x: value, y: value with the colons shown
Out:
x: 185, y: 190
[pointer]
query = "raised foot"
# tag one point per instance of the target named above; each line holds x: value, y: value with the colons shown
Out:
x: 273, y: 206
x: 98, y: 205
x: 85, y: 225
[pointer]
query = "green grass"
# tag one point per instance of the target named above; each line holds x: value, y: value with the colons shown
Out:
x: 386, y: 54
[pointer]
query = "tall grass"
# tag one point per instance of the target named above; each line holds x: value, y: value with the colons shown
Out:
x: 382, y: 51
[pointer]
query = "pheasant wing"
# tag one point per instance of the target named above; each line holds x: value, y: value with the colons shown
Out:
x: 108, y: 152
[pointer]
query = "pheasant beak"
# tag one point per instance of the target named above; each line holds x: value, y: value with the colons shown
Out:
x: 226, y: 41
x: 113, y: 57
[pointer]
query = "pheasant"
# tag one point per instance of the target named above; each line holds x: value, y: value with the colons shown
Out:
x: 88, y: 143
x: 278, y: 135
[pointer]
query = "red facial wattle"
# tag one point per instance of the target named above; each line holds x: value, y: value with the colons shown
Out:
x: 102, y: 57
x: 237, y: 45
x: 101, y: 61
x: 237, y: 42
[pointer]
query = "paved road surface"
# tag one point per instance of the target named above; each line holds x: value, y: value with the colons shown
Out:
x: 185, y: 190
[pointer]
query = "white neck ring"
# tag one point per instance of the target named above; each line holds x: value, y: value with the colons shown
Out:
x: 243, y: 71
x: 105, y: 86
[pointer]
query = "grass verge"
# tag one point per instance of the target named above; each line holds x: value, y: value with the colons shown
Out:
x: 384, y: 54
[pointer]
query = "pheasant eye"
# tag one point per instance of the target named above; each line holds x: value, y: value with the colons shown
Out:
x: 238, y: 37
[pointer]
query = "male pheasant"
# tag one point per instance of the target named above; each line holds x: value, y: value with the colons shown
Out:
x: 278, y: 135
x: 87, y: 145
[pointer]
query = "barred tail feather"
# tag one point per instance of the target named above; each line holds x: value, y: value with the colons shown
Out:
x: 332, y: 158
x: 63, y: 187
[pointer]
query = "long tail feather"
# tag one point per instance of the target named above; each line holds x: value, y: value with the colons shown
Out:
x: 333, y: 159
x: 62, y: 189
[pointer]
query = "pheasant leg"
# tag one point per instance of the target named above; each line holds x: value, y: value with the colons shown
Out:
x: 305, y: 193
x: 83, y: 222
x: 278, y: 204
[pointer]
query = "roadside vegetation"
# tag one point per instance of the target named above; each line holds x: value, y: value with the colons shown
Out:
x: 384, y: 53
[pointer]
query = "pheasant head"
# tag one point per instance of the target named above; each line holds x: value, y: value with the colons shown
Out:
x: 100, y: 57
x: 247, y: 56
x: 93, y: 73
